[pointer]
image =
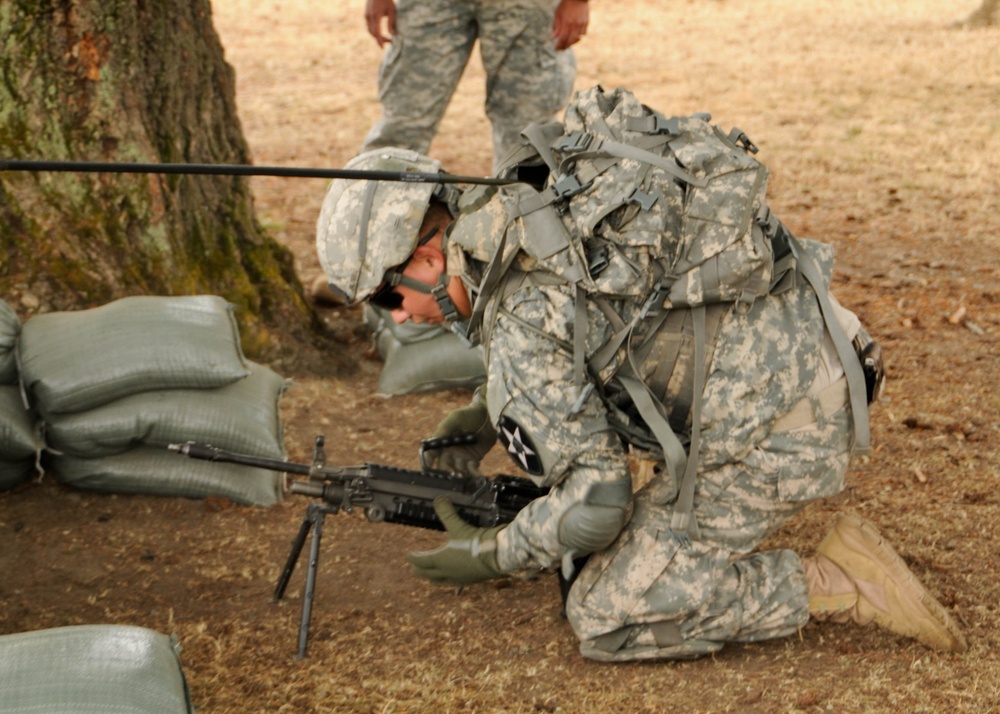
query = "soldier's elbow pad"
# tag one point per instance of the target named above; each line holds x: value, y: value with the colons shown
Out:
x: 594, y: 523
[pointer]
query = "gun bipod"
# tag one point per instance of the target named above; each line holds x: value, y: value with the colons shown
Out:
x: 316, y: 513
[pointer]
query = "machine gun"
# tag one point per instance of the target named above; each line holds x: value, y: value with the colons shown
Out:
x: 383, y: 493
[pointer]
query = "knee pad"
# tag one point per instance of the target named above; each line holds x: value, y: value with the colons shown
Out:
x: 595, y: 522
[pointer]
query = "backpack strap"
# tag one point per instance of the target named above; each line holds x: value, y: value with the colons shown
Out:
x: 673, y: 451
x: 857, y: 389
x: 670, y: 381
x: 598, y: 154
x: 606, y: 352
x: 790, y: 261
x: 683, y: 521
x: 682, y: 467
x: 495, y: 270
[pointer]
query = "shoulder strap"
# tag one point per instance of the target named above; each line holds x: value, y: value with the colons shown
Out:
x: 845, y: 350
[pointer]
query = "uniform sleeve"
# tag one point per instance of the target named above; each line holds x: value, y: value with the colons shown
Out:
x: 569, y: 446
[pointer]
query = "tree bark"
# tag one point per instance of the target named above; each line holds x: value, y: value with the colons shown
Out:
x: 984, y: 16
x: 135, y: 81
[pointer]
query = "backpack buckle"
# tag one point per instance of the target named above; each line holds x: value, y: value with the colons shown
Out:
x: 566, y: 186
x: 738, y: 137
x: 644, y: 200
x: 662, y: 125
x: 574, y: 141
x: 597, y: 260
x: 654, y: 302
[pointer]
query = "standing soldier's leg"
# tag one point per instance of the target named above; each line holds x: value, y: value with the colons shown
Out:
x: 526, y: 79
x: 420, y: 71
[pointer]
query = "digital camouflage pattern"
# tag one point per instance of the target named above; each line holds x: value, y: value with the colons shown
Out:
x: 367, y: 227
x: 652, y: 595
x: 648, y: 595
x: 526, y: 79
x: 648, y: 591
x: 703, y: 230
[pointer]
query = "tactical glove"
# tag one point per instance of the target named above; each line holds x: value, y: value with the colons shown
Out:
x: 469, y: 556
x: 463, y: 458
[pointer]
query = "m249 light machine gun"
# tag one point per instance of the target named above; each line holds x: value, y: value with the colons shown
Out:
x: 384, y: 493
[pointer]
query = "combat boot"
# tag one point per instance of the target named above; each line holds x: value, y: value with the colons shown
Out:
x: 856, y: 576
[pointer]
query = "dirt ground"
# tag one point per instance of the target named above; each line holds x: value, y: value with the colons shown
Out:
x: 880, y: 123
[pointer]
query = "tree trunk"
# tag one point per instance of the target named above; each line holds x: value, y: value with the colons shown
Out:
x: 984, y: 16
x: 135, y: 81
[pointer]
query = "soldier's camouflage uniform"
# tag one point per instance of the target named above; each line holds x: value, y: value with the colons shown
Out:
x: 527, y: 80
x: 650, y: 594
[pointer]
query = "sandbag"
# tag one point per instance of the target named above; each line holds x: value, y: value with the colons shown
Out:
x: 10, y: 327
x: 13, y: 473
x: 242, y: 416
x: 74, y: 361
x: 159, y: 472
x: 18, y: 436
x: 92, y: 669
x: 422, y: 358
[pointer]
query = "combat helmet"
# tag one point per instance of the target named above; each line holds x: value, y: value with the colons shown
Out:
x: 367, y: 227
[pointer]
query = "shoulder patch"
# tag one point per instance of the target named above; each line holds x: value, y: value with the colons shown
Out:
x: 519, y: 446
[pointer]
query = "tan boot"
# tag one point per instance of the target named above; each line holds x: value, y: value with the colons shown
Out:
x: 856, y: 576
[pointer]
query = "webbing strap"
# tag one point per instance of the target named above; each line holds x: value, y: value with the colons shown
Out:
x: 683, y: 520
x: 602, y: 160
x: 682, y: 467
x: 603, y: 356
x: 366, y: 213
x: 579, y: 337
x: 602, y: 155
x: 845, y: 350
x: 494, y: 271
x: 673, y: 451
x: 626, y: 151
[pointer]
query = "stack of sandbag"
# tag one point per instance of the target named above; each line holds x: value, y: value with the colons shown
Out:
x: 19, y: 437
x: 422, y: 358
x: 92, y: 668
x: 116, y: 384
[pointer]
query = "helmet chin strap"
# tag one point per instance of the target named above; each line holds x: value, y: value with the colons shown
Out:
x: 439, y: 290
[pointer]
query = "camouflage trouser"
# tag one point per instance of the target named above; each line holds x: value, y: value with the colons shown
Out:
x: 526, y: 79
x: 650, y: 596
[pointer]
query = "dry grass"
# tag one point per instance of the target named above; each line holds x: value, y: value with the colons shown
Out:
x: 880, y: 124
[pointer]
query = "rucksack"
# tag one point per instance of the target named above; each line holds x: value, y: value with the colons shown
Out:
x: 669, y: 216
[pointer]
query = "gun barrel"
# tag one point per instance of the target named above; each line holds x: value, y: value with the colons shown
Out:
x: 212, y: 453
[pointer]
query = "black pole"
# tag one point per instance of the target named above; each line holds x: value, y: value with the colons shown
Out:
x: 244, y: 170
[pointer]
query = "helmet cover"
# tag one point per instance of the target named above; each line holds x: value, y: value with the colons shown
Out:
x: 368, y: 226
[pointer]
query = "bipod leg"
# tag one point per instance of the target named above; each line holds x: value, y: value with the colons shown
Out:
x: 293, y: 555
x: 318, y: 516
x: 314, y: 518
